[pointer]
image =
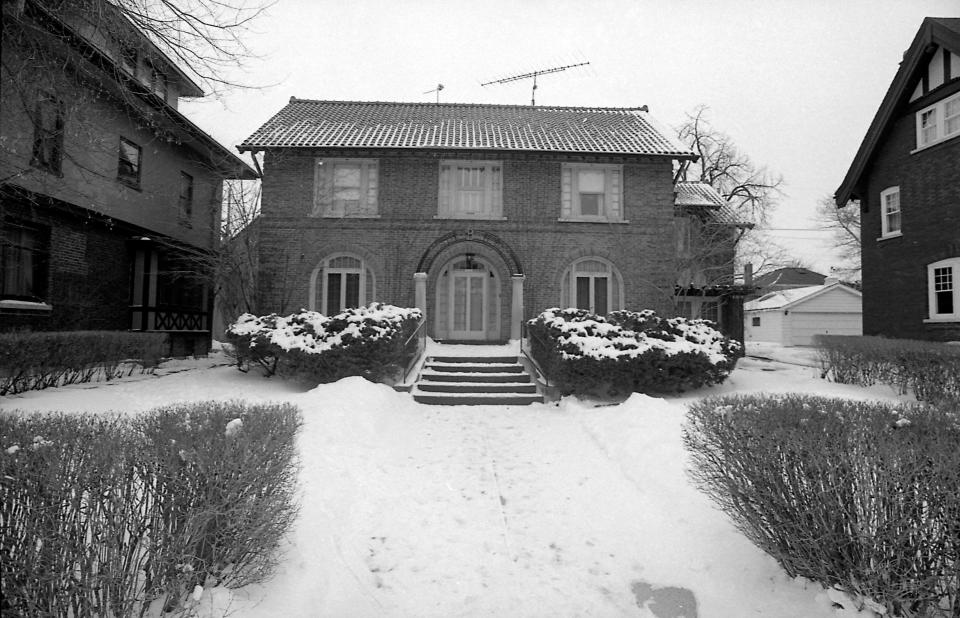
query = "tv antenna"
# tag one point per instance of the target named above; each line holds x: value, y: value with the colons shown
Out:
x: 534, y: 74
x: 437, y: 90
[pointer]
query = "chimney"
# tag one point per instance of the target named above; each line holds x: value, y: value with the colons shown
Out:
x: 748, y: 274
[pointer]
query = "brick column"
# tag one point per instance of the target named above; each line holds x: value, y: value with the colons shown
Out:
x: 516, y: 307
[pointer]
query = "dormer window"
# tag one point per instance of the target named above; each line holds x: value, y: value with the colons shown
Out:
x: 938, y: 122
x: 128, y: 58
x: 158, y: 83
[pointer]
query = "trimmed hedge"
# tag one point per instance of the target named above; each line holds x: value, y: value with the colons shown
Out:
x: 38, y: 360
x: 115, y: 516
x: 628, y: 351
x: 861, y: 496
x: 374, y: 342
x: 929, y: 370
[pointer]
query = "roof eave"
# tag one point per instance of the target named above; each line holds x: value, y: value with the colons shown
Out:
x: 247, y: 147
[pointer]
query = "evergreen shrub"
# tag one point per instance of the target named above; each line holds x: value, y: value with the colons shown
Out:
x: 374, y: 342
x: 628, y: 351
x: 929, y: 370
x: 125, y: 515
x: 38, y: 360
x: 861, y: 496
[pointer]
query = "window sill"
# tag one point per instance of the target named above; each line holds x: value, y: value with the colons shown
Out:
x: 468, y: 218
x: 889, y: 236
x: 934, y: 143
x: 596, y: 220
x: 332, y: 216
x: 25, y: 305
x: 942, y: 320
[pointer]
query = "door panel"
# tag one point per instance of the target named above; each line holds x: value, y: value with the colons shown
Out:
x: 467, y: 304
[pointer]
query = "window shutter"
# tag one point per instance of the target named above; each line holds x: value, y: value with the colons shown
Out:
x: 566, y: 191
x: 322, y: 188
x: 613, y: 194
x: 371, y: 173
x: 443, y: 202
x: 496, y: 190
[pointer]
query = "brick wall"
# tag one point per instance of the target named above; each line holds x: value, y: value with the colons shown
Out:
x: 895, y: 270
x: 292, y: 244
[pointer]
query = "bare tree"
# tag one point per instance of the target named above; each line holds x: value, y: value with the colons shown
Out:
x: 844, y: 224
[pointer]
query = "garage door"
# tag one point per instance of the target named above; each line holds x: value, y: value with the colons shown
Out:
x: 805, y: 325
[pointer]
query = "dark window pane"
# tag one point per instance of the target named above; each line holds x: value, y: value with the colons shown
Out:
x: 583, y: 293
x: 333, y: 293
x: 353, y: 290
x: 128, y: 163
x: 186, y: 196
x: 591, y: 204
x: 944, y: 302
x: 23, y: 261
x: 48, y: 133
x: 600, y: 295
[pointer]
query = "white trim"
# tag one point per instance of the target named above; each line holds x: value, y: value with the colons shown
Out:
x: 939, y: 110
x: 885, y: 231
x: 450, y: 190
x: 954, y: 265
x: 323, y: 268
x: 25, y: 305
x: 613, y: 279
x: 324, y: 204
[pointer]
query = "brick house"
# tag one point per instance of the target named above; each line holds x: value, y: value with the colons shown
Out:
x: 481, y: 215
x: 109, y: 196
x: 906, y: 177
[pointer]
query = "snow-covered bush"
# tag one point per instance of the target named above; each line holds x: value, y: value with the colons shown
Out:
x: 366, y: 341
x: 861, y: 496
x: 108, y: 516
x: 38, y: 360
x: 629, y: 351
x: 929, y: 370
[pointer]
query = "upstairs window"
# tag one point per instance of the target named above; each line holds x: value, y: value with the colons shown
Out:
x: 158, y: 83
x: 48, y: 133
x: 185, y: 206
x: 890, y: 212
x: 591, y: 192
x: 470, y: 190
x: 345, y: 188
x: 128, y: 163
x: 943, y: 283
x: 938, y: 122
x: 23, y: 262
x: 128, y: 58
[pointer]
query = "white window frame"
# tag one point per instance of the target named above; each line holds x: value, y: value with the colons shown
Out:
x: 612, y: 275
x: 939, y: 133
x: 324, y: 203
x: 885, y: 231
x: 452, y: 191
x: 612, y: 195
x: 954, y: 265
x: 319, y: 278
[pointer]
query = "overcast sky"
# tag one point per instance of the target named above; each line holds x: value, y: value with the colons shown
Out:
x: 795, y: 83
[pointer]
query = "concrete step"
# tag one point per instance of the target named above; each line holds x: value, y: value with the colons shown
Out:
x: 477, y: 387
x: 511, y: 360
x: 474, y: 367
x: 452, y: 376
x: 488, y: 399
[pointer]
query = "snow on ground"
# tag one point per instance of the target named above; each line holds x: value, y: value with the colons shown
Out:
x: 574, y: 509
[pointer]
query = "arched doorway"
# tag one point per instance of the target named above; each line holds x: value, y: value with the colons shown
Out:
x: 468, y: 291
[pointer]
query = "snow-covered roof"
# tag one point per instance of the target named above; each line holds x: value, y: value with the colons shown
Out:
x: 785, y: 299
x: 702, y: 199
x: 304, y: 123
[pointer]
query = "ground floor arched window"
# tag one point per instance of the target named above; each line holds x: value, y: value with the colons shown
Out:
x: 340, y: 282
x: 592, y: 283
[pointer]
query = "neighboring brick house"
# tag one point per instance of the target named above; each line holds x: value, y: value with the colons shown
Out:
x: 481, y: 215
x: 109, y: 196
x: 906, y: 176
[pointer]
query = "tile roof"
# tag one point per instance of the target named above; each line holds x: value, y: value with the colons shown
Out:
x: 791, y: 275
x: 353, y: 124
x: 703, y: 200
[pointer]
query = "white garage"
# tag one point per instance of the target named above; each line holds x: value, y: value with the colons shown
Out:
x: 793, y: 317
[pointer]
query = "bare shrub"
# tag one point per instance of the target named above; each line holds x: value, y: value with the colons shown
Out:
x: 857, y: 495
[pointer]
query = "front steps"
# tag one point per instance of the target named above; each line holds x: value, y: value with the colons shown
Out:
x: 475, y: 381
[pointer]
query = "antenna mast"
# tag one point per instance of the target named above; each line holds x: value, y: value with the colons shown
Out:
x: 534, y: 74
x: 437, y: 90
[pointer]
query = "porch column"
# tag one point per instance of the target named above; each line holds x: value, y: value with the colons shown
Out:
x: 516, y: 307
x: 420, y: 292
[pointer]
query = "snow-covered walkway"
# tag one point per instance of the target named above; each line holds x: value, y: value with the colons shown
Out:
x: 542, y: 510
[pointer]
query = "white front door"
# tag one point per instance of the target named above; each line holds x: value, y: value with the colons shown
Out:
x: 468, y: 300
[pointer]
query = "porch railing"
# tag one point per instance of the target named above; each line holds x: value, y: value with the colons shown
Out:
x: 525, y: 350
x: 168, y: 318
x: 420, y: 334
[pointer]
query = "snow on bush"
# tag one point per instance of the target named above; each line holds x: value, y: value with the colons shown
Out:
x: 860, y: 496
x: 366, y: 341
x: 629, y: 351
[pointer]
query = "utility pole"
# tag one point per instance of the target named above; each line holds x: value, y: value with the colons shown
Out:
x: 534, y: 74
